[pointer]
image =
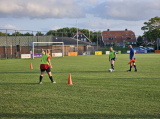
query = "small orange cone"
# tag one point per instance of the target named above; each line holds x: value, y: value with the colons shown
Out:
x: 31, y: 67
x: 69, y: 80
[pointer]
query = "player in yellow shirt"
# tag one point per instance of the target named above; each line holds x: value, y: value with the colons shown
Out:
x: 112, y: 56
x: 46, y: 66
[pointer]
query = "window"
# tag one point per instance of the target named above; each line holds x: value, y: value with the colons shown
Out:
x: 128, y: 38
x: 132, y: 42
x: 81, y: 35
x: 128, y: 42
x: 132, y: 34
x: 104, y: 38
x: 104, y: 34
x: 122, y: 37
x: 110, y: 39
x: 109, y: 34
x: 78, y: 35
x: 84, y: 39
x: 115, y: 37
x: 126, y: 34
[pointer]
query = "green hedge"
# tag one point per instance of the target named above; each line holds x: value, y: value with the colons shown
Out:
x: 123, y: 50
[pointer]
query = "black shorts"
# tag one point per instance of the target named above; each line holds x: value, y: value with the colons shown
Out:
x: 113, y: 59
x: 47, y: 70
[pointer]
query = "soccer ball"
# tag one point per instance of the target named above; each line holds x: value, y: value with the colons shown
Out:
x: 109, y: 70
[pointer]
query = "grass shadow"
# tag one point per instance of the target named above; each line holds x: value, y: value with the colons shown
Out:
x: 20, y: 83
x: 73, y: 115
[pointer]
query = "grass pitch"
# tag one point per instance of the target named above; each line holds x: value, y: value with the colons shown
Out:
x: 95, y: 93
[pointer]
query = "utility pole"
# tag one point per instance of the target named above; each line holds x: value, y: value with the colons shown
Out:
x: 97, y: 40
x: 89, y: 30
x: 77, y: 36
x: 62, y: 36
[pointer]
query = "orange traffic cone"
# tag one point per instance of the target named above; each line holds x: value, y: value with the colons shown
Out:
x: 69, y: 80
x: 31, y: 67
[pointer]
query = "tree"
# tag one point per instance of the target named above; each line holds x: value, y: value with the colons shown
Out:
x: 126, y: 43
x: 70, y: 32
x: 2, y: 34
x: 39, y: 34
x: 17, y: 34
x: 139, y: 40
x: 28, y: 34
x: 115, y: 43
x: 152, y: 28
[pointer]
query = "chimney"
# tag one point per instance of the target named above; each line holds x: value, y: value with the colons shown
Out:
x: 125, y: 29
x: 107, y: 29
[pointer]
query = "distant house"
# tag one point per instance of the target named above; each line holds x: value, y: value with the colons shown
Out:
x: 71, y: 41
x: 81, y: 37
x: 110, y: 37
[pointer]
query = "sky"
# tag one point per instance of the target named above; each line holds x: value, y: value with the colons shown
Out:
x: 45, y: 15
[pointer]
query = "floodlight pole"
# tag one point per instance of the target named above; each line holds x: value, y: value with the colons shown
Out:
x: 97, y: 40
x: 77, y: 36
x: 89, y: 30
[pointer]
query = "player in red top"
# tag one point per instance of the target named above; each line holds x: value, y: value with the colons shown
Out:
x: 46, y: 66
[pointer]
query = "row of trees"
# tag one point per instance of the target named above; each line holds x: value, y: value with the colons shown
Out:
x: 65, y: 32
x: 151, y: 30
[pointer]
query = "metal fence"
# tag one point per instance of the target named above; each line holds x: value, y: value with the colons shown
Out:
x: 18, y: 42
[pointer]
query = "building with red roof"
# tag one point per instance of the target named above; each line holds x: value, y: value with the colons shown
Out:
x: 110, y: 37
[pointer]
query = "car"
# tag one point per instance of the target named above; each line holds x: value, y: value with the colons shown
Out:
x: 136, y: 48
x: 141, y: 49
x: 150, y: 48
x: 144, y: 48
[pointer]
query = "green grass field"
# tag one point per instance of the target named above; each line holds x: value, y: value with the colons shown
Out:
x: 95, y: 93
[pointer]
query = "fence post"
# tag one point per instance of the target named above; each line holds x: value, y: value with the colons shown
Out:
x: 157, y: 44
x: 19, y: 48
x: 12, y: 47
x: 5, y: 45
x: 15, y: 45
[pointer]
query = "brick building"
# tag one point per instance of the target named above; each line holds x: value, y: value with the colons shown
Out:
x: 110, y: 37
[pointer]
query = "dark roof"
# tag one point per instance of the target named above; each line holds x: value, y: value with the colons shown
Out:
x: 79, y: 32
x: 119, y: 36
x: 71, y: 41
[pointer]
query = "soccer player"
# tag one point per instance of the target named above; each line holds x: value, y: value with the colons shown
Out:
x: 112, y: 56
x: 46, y: 66
x: 132, y: 56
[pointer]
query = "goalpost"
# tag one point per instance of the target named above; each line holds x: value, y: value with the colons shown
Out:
x: 59, y: 44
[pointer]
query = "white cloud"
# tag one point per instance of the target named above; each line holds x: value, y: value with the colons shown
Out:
x: 8, y: 7
x: 131, y: 10
x: 55, y: 28
x: 93, y: 2
x: 94, y: 25
x: 8, y: 26
x: 41, y: 9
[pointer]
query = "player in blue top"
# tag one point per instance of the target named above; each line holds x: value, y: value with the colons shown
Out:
x: 132, y: 56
